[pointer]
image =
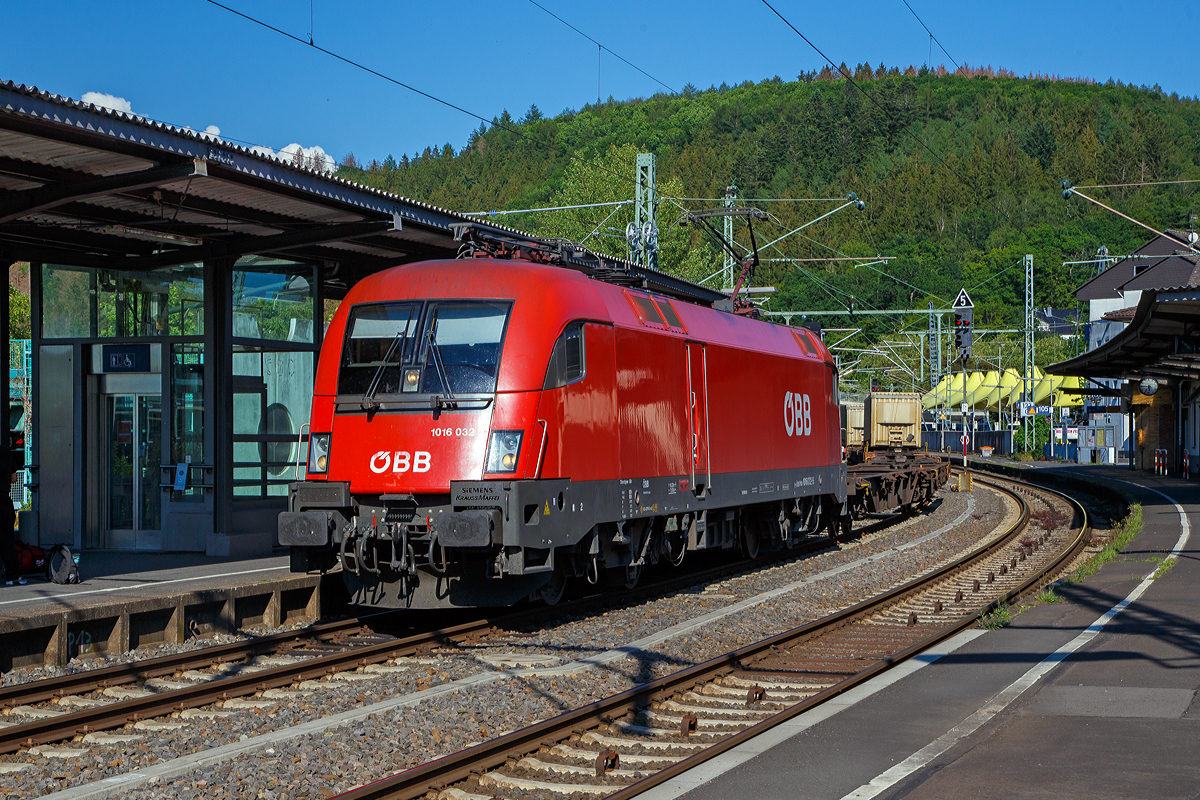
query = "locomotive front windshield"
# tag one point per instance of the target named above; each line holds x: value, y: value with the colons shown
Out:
x: 439, y: 347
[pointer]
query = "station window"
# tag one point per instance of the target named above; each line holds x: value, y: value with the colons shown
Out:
x: 187, y: 417
x: 272, y: 299
x: 274, y: 312
x: 567, y: 360
x: 272, y: 398
x: 104, y: 303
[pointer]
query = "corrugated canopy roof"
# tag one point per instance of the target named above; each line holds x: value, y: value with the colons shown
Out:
x: 1161, y: 340
x: 87, y: 186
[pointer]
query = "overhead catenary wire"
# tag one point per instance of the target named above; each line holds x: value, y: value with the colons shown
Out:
x: 1070, y: 191
x: 493, y: 122
x: 602, y: 47
x: 1133, y: 185
x: 549, y: 208
x: 931, y: 36
x: 904, y: 129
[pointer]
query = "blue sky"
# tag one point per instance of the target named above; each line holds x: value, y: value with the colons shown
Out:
x: 189, y: 63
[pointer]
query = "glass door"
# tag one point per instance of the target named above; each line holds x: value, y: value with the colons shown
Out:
x: 134, y: 458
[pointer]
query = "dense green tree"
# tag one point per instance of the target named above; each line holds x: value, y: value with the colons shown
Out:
x: 959, y: 173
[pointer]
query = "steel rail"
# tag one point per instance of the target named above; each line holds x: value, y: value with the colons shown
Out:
x: 113, y: 715
x: 116, y: 714
x: 436, y: 775
x: 131, y: 672
x: 1032, y: 582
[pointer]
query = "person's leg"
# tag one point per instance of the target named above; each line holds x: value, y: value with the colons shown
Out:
x: 8, y: 549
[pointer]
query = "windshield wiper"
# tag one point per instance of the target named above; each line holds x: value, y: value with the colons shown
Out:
x: 438, y: 364
x: 368, y: 401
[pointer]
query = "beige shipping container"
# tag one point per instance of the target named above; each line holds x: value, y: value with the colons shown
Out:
x: 852, y: 424
x: 893, y: 419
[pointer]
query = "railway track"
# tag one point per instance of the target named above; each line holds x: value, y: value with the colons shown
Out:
x: 57, y: 709
x: 621, y: 746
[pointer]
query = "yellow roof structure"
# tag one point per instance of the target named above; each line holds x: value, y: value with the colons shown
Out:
x: 995, y: 390
x: 1008, y: 379
x: 962, y: 392
x: 990, y: 380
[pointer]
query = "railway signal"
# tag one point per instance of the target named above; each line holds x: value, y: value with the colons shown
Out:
x: 963, y: 319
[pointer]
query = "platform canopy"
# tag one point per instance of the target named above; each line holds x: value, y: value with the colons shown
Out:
x: 91, y: 187
x: 86, y: 186
x: 1161, y: 340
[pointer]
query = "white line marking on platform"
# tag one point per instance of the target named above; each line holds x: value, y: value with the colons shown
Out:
x: 730, y: 759
x: 141, y: 585
x: 929, y: 752
x: 119, y: 784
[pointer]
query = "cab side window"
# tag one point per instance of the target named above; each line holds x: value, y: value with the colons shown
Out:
x: 567, y: 361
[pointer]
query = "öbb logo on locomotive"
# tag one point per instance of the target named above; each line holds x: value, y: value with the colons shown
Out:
x: 419, y: 461
x: 797, y: 414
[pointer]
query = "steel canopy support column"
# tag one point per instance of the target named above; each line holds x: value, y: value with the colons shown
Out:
x: 219, y: 379
x: 4, y: 358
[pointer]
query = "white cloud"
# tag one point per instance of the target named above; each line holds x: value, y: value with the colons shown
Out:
x: 313, y: 157
x: 107, y: 101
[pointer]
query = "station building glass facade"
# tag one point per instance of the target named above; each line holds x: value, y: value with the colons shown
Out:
x: 172, y: 404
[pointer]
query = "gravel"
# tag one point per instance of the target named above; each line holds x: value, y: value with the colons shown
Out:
x: 342, y: 757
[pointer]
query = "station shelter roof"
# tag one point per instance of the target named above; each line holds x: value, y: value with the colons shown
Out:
x: 1162, y: 340
x: 86, y: 186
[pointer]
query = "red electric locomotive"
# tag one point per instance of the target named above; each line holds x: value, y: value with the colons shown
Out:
x: 485, y: 429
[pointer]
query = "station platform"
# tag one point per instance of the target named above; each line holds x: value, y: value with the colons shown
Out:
x: 128, y: 599
x: 1070, y: 700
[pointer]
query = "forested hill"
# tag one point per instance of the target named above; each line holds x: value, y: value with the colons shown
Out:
x: 960, y: 176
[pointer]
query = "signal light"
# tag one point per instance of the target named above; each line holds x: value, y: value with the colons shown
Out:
x: 963, y: 329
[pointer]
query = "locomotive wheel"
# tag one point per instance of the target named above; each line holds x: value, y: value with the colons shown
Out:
x: 552, y: 593
x: 751, y: 537
x: 846, y: 524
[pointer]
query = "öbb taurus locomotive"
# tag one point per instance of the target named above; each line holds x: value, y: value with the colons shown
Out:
x: 483, y: 430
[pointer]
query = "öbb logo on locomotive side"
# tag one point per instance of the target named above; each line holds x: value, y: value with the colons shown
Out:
x: 797, y: 414
x: 400, y: 461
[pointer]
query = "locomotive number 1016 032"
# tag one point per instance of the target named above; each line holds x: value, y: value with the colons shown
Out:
x: 452, y: 431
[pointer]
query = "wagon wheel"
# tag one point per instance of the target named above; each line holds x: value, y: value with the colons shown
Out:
x: 553, y: 592
x: 751, y: 537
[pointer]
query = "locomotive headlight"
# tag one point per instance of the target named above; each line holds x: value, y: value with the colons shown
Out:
x: 503, y: 449
x: 412, y: 379
x: 318, y: 453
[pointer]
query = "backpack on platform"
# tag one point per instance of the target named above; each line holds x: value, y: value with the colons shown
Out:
x: 61, y: 566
